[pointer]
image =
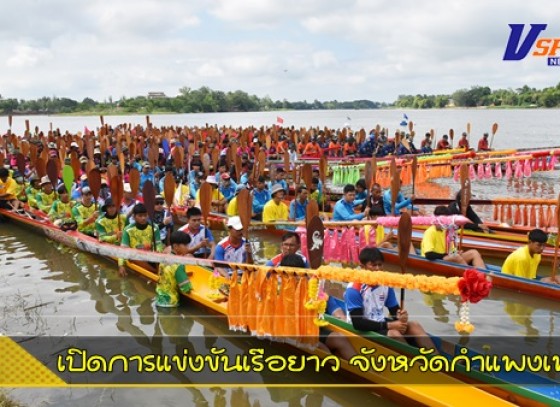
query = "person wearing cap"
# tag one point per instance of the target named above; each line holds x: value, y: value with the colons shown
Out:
x: 173, y: 278
x: 227, y: 186
x: 218, y: 200
x: 162, y: 218
x: 463, y: 142
x: 8, y: 190
x: 203, y: 245
x: 46, y: 197
x: 32, y: 191
x: 128, y: 201
x: 483, y: 143
x: 275, y: 209
x: 261, y: 196
x: 146, y: 175
x: 194, y: 185
x: 231, y: 209
x: 443, y: 144
x: 140, y: 235
x: 61, y: 209
x: 298, y: 206
x: 233, y: 248
x: 109, y: 226
x: 85, y: 213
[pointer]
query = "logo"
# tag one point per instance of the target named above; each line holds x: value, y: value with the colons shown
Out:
x: 518, y: 48
x: 317, y: 241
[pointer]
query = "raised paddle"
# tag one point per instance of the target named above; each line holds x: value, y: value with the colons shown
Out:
x: 555, y: 262
x: 41, y: 167
x: 311, y: 211
x: 149, y: 196
x: 451, y: 135
x: 494, y: 130
x: 469, y: 131
x: 245, y: 209
x: 307, y: 175
x: 315, y: 241
x: 414, y: 169
x: 52, y: 172
x: 373, y: 169
x: 134, y: 180
x: 169, y: 189
x: 205, y: 200
x: 10, y: 121
x: 323, y: 169
x: 117, y: 192
x: 75, y: 163
x: 395, y: 185
x: 465, y: 196
x: 68, y: 177
x: 403, y: 243
x: 94, y: 182
x: 20, y: 160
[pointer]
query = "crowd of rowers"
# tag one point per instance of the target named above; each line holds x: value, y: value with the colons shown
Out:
x: 131, y: 227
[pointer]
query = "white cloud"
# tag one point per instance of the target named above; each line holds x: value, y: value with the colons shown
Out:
x: 291, y: 50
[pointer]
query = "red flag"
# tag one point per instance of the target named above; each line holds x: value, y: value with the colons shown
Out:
x: 279, y: 120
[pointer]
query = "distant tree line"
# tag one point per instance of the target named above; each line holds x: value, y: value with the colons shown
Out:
x: 483, y: 96
x: 206, y: 100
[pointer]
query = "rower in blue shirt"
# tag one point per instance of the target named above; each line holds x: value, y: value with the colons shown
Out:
x: 261, y: 196
x: 344, y: 208
x: 298, y: 207
x: 279, y: 179
x: 401, y: 203
x: 227, y: 186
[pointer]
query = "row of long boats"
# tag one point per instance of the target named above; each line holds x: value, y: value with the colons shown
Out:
x: 499, y: 388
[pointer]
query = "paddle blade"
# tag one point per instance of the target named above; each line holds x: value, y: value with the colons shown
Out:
x: 323, y: 169
x: 307, y: 175
x: 465, y: 188
x: 238, y: 168
x: 494, y: 128
x: 414, y: 167
x: 395, y: 184
x: 404, y: 239
x: 169, y: 188
x: 205, y: 199
x: 68, y: 177
x: 245, y: 208
x: 94, y: 182
x: 52, y: 171
x: 149, y: 195
x: 10, y: 121
x: 373, y: 169
x: 311, y: 211
x: 20, y: 160
x: 368, y: 175
x: 41, y: 166
x: 114, y: 185
x: 315, y: 241
x: 134, y: 179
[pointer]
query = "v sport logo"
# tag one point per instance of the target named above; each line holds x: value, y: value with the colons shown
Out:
x: 517, y: 49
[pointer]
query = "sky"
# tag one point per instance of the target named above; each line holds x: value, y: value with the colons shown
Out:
x: 290, y: 49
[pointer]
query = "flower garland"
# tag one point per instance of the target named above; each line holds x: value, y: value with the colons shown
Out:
x: 215, y: 281
x: 473, y: 287
x: 317, y: 301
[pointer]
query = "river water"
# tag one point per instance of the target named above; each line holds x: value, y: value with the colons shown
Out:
x: 46, y: 289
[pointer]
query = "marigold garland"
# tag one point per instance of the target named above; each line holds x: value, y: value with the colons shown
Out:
x: 316, y: 301
x: 215, y: 281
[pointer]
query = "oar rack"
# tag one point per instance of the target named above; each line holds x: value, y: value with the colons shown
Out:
x: 526, y: 212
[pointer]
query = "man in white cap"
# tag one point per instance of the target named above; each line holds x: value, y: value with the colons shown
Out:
x: 234, y: 247
x: 218, y: 200
x: 128, y: 200
x: 46, y: 197
x: 275, y: 209
x: 85, y: 213
x: 146, y: 174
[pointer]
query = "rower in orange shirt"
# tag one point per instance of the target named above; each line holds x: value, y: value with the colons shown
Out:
x: 483, y: 143
x: 463, y: 143
x: 350, y: 147
x: 443, y: 144
x: 313, y: 149
x: 335, y: 149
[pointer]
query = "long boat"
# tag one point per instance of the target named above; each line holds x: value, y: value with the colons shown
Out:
x: 497, y: 389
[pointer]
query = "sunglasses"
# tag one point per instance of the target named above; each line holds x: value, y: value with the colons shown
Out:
x: 159, y: 202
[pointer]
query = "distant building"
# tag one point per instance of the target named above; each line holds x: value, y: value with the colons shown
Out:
x: 156, y: 95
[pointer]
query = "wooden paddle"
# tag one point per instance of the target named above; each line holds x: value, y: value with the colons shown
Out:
x: 465, y: 196
x: 403, y: 243
x: 307, y: 175
x: 149, y: 196
x: 94, y: 182
x: 494, y: 130
x: 245, y: 209
x: 469, y: 131
x: 395, y: 185
x: 374, y: 169
x: 68, y: 177
x: 20, y: 160
x: 451, y: 135
x: 287, y: 163
x: 323, y: 169
x: 169, y: 189
x: 555, y: 262
x: 205, y: 196
x: 315, y: 241
x: 10, y: 121
x: 52, y: 172
x: 117, y: 193
x: 414, y: 169
x: 311, y: 211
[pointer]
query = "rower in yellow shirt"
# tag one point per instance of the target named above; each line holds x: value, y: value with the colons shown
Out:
x: 218, y: 200
x: 8, y: 190
x: 232, y: 205
x: 524, y: 261
x: 275, y: 210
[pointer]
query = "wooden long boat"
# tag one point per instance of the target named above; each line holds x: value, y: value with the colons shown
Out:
x: 497, y: 390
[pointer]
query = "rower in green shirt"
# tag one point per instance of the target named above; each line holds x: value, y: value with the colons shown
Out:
x: 61, y: 209
x: 85, y: 213
x: 46, y: 197
x: 110, y: 225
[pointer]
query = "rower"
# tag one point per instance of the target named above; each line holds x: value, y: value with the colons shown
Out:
x: 163, y: 219
x: 85, y: 213
x: 261, y: 196
x: 233, y: 248
x: 483, y: 143
x: 231, y: 209
x: 376, y: 199
x: 140, y: 235
x: 32, y: 191
x: 202, y: 244
x: 291, y: 244
x: 298, y: 206
x: 330, y: 341
x: 61, y: 209
x: 7, y: 190
x: 476, y: 223
x: 443, y: 144
x: 434, y: 245
x: 365, y: 307
x: 110, y: 225
x: 524, y: 261
x: 463, y: 142
x: 46, y: 197
x: 275, y: 209
x: 218, y: 200
x: 227, y: 186
x: 401, y: 204
x: 381, y: 240
x: 426, y: 144
x: 344, y: 208
x: 173, y: 277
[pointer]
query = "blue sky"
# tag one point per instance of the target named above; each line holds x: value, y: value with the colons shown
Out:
x: 295, y: 50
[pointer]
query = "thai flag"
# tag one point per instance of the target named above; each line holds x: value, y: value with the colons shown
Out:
x: 279, y: 120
